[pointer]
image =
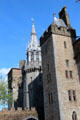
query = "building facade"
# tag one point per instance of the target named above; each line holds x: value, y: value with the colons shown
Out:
x: 14, y: 85
x: 49, y: 79
x: 60, y: 74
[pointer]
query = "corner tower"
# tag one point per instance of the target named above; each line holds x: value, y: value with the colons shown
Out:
x: 60, y: 75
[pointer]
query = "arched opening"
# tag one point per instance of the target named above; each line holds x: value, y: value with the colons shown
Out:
x: 31, y: 118
x: 74, y: 116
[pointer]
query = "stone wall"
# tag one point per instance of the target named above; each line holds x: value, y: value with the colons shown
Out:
x: 36, y: 95
x: 51, y: 107
x: 17, y: 115
x: 64, y: 84
x: 57, y: 58
x: 14, y: 84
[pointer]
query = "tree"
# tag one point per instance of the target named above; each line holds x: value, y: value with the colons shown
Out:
x: 5, y: 94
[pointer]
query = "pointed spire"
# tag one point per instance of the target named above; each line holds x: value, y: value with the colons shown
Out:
x: 33, y: 27
x: 33, y: 45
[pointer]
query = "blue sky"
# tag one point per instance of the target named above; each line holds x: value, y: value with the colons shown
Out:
x: 15, y: 25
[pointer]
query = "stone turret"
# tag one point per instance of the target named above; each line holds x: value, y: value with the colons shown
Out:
x: 32, y: 67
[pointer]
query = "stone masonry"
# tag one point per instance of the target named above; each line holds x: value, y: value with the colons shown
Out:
x: 14, y: 81
x: 60, y: 74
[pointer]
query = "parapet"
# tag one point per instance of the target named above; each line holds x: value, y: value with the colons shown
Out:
x: 54, y: 29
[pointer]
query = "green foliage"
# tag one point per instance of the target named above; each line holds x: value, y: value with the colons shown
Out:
x: 5, y: 94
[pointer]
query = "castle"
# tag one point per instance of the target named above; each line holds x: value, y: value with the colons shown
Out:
x: 49, y: 80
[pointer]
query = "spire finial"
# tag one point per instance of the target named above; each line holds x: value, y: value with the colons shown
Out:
x: 32, y: 21
x: 54, y: 14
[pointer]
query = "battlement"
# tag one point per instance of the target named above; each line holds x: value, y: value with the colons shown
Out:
x: 54, y: 29
x: 18, y: 114
x: 32, y: 69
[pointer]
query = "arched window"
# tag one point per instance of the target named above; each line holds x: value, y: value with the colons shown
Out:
x: 37, y: 56
x: 32, y: 56
x: 74, y: 116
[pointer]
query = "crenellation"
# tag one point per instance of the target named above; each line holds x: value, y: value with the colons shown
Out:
x: 54, y: 29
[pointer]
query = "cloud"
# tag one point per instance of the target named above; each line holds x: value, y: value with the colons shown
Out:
x: 3, y: 73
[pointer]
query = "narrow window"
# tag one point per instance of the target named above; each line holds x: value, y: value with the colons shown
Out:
x: 71, y: 76
x: 74, y: 116
x: 74, y: 95
x: 66, y: 74
x: 69, y: 94
x: 37, y: 56
x: 49, y: 98
x: 48, y: 67
x: 67, y: 63
x: 32, y: 56
x: 48, y: 77
x: 65, y: 44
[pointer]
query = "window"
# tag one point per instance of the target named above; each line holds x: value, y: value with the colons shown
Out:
x: 48, y: 77
x: 32, y: 56
x: 37, y: 56
x: 50, y: 98
x: 69, y: 94
x: 74, y: 116
x: 65, y: 44
x: 66, y: 74
x: 74, y: 95
x: 48, y: 67
x: 67, y: 63
x: 71, y: 76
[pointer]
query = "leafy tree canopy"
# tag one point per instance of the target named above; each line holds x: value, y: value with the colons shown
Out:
x: 5, y: 94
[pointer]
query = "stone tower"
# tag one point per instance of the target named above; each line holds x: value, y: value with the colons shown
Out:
x: 32, y: 66
x: 60, y: 75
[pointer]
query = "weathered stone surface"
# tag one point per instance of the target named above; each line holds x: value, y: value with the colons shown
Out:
x: 57, y: 105
x: 18, y: 115
x: 14, y: 81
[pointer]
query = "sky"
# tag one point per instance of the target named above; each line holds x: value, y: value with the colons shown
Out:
x: 16, y: 25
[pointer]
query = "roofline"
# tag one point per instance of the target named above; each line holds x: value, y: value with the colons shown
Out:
x: 13, y: 69
x: 76, y: 41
